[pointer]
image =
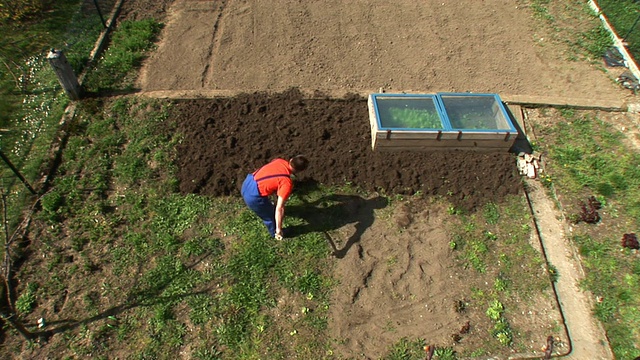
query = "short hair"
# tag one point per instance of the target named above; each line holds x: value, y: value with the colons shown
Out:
x: 299, y: 162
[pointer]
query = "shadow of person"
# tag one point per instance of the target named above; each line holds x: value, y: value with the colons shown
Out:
x: 333, y: 212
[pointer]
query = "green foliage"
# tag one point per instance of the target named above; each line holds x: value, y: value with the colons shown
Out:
x: 445, y: 353
x: 491, y: 213
x: 32, y: 103
x: 593, y: 43
x: 487, y: 239
x: 495, y: 310
x: 202, y: 308
x: 129, y: 45
x: 207, y: 353
x: 413, y: 119
x: 541, y: 10
x: 406, y: 349
x: 175, y: 213
x: 52, y: 203
x: 591, y: 157
x: 589, y: 43
x: 622, y: 14
x: 587, y: 157
x: 501, y: 284
x: 26, y: 302
x: 310, y: 283
x: 501, y: 330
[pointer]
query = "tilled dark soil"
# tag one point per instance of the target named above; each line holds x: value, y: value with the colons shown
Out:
x: 226, y: 138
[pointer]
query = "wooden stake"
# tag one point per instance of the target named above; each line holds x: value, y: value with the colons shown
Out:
x: 65, y: 73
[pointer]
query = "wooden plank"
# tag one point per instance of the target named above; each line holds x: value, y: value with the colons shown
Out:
x: 559, y: 101
x: 445, y: 135
x: 516, y: 111
x: 428, y: 143
x: 442, y: 148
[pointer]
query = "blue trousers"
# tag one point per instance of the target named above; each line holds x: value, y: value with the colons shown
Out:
x: 261, y: 205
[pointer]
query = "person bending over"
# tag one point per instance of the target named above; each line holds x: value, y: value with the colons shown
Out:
x: 272, y: 178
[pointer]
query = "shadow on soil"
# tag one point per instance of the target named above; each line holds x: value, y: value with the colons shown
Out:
x: 142, y: 295
x: 332, y: 212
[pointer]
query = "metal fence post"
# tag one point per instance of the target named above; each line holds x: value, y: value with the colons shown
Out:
x: 65, y: 73
x: 16, y: 172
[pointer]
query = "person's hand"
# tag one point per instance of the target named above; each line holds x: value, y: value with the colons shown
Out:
x: 279, y: 236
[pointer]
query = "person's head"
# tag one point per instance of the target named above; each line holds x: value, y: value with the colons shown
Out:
x: 299, y: 163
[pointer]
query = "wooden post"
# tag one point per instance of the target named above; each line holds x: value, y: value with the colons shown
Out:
x: 67, y: 78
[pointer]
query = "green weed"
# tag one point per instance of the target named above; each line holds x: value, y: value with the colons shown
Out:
x: 52, y: 206
x: 541, y: 10
x: 26, y: 302
x: 501, y: 330
x: 491, y: 213
x: 445, y: 353
x: 406, y: 349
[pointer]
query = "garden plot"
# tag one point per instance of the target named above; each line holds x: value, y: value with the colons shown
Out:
x: 213, y: 47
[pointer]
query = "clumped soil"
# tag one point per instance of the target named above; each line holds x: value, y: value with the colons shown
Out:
x: 226, y: 138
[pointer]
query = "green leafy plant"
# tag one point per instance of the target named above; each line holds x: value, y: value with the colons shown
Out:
x: 501, y: 330
x: 413, y: 118
x: 26, y: 302
x: 52, y: 206
x: 445, y: 353
x: 406, y: 349
x: 491, y: 213
x: 495, y: 310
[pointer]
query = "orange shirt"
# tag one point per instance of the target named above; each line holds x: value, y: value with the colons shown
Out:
x: 275, y: 177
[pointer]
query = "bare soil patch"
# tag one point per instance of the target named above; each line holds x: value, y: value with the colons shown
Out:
x: 339, y: 47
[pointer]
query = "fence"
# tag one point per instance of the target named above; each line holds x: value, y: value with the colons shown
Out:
x: 32, y: 97
x: 621, y: 18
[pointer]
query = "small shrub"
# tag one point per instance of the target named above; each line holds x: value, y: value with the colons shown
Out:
x: 52, y: 203
x: 553, y: 273
x: 491, y: 213
x: 589, y: 211
x: 630, y: 241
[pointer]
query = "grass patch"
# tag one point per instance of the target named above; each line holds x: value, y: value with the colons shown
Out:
x: 495, y: 244
x: 623, y: 16
x: 587, y: 157
x: 158, y: 257
x: 575, y: 24
x: 32, y: 100
x: 129, y: 44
